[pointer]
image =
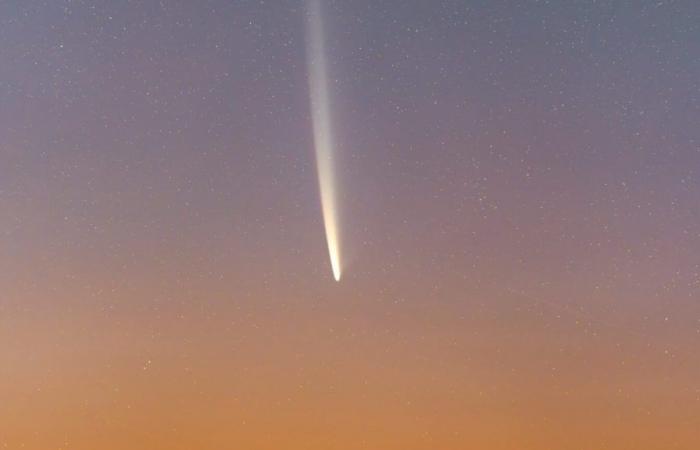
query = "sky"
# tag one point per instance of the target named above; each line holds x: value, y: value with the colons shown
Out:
x: 518, y: 196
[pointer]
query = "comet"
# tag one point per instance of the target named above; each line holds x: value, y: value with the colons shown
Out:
x: 323, y: 131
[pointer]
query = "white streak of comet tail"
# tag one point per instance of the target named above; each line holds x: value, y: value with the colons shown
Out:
x: 322, y: 130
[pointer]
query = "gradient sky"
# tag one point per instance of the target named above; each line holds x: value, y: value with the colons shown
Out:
x: 520, y: 203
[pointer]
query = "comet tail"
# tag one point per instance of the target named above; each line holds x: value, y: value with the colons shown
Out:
x: 323, y: 137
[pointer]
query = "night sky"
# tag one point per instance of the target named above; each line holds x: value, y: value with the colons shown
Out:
x: 518, y: 193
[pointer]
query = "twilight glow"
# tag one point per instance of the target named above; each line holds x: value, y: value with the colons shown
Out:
x: 323, y: 136
x: 516, y: 183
